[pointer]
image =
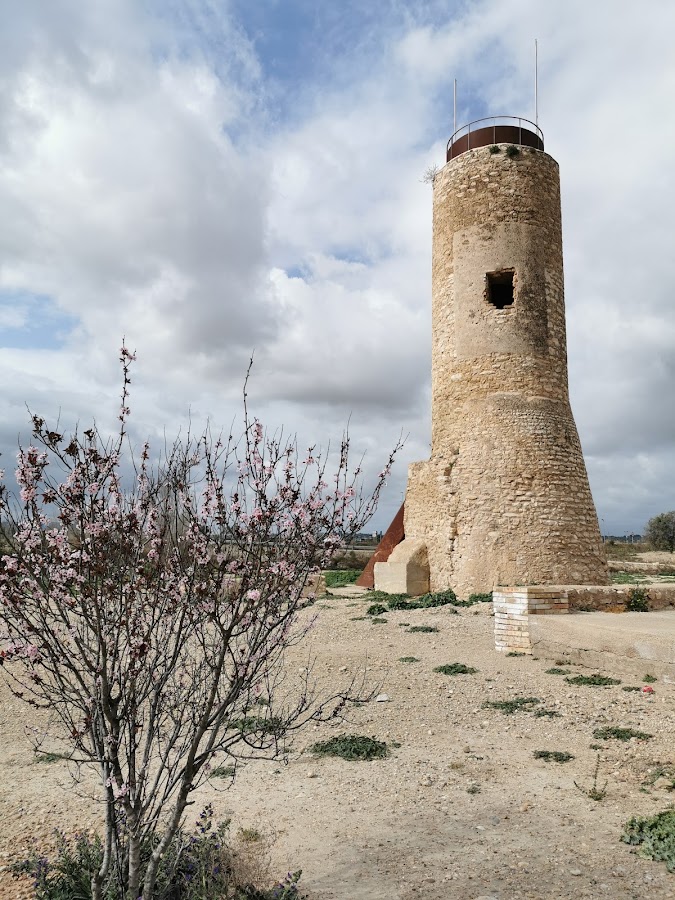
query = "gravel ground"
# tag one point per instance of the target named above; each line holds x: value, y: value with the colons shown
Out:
x: 461, y: 809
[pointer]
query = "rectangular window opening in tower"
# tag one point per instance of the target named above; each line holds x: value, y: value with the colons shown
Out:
x: 499, y: 288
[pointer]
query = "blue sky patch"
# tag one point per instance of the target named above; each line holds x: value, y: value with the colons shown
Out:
x: 32, y: 322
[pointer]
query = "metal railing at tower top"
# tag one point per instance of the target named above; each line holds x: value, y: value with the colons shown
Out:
x: 495, y: 130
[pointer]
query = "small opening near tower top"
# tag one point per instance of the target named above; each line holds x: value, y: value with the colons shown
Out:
x: 499, y: 288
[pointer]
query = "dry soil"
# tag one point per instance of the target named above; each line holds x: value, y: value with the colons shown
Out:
x: 461, y: 809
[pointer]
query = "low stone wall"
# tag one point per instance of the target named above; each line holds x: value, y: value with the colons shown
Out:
x: 613, y: 598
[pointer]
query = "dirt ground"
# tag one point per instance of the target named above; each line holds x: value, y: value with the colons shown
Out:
x: 461, y: 809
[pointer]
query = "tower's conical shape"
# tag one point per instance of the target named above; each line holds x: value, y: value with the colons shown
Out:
x: 504, y: 498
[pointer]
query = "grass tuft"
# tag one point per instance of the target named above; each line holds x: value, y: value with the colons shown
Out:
x: 556, y: 671
x: 408, y: 659
x: 422, y: 629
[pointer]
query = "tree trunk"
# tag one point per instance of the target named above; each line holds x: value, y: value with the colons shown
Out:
x: 160, y: 849
x: 133, y: 892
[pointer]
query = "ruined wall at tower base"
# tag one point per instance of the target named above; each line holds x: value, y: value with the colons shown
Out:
x: 510, y: 504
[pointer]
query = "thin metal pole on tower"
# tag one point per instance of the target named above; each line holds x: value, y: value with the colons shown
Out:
x: 454, y: 106
x: 536, y: 86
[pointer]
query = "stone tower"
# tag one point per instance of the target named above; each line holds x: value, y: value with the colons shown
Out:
x: 504, y: 498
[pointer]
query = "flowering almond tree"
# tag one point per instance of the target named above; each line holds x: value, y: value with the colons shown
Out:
x: 152, y: 617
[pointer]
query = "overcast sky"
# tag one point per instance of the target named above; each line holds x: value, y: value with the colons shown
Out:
x: 213, y: 177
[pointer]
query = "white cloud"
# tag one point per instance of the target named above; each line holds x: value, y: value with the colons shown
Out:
x: 150, y: 187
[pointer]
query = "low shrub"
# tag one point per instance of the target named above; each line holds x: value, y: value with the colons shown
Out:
x: 455, y: 669
x: 559, y: 756
x: 593, y: 680
x: 637, y: 600
x: 548, y: 713
x: 512, y: 151
x: 352, y: 747
x: 440, y: 598
x: 401, y: 603
x: 480, y: 598
x: 614, y: 732
x: 386, y: 601
x: 384, y: 597
x: 655, y: 835
x: 204, y: 865
x: 223, y: 772
x: 376, y: 609
x: 259, y: 725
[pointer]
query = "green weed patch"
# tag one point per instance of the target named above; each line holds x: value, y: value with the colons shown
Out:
x: 341, y: 577
x: 352, y: 747
x: 655, y: 836
x: 455, y: 669
x: 614, y: 732
x: 593, y: 680
x: 558, y: 756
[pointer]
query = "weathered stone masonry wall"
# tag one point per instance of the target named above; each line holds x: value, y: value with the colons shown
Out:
x: 505, y: 496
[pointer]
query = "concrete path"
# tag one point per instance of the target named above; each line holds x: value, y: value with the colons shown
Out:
x: 635, y: 643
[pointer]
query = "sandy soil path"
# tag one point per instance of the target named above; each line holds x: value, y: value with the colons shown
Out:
x: 461, y: 809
